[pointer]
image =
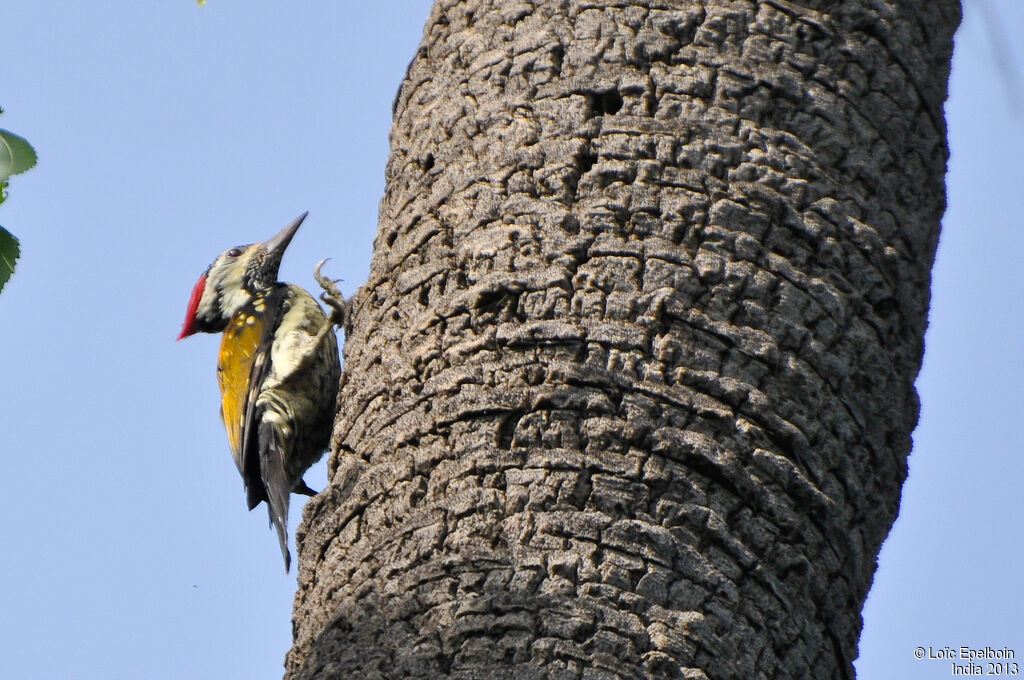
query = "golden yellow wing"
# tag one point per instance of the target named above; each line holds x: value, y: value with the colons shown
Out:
x: 239, y: 348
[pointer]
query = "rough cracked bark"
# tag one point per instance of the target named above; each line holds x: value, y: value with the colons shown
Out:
x: 629, y: 390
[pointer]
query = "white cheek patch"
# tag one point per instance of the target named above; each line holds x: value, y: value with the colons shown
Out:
x: 224, y: 295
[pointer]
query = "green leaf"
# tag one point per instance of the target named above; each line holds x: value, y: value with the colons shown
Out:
x: 16, y: 155
x: 9, y: 252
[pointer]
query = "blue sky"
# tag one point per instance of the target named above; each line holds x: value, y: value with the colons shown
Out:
x: 167, y: 133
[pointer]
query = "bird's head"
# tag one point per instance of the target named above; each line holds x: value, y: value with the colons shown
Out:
x: 237, y: 276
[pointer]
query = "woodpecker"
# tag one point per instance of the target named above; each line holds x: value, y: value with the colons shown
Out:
x: 278, y: 368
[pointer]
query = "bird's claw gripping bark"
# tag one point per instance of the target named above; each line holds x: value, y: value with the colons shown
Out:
x: 332, y: 297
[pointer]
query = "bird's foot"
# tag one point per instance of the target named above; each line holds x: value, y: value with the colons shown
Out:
x: 332, y: 297
x: 303, y: 488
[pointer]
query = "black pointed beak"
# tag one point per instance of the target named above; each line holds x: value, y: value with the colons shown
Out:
x: 280, y: 241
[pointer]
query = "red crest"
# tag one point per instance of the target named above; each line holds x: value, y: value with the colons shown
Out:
x: 188, y: 328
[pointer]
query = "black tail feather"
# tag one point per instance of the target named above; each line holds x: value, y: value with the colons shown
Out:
x: 275, y: 481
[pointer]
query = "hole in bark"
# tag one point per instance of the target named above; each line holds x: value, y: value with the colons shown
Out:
x: 570, y: 224
x: 494, y: 301
x: 581, y: 492
x: 444, y: 662
x: 586, y: 161
x: 507, y: 430
x: 566, y: 571
x: 490, y: 299
x: 427, y: 162
x: 886, y: 307
x: 605, y: 103
x: 557, y: 57
x: 417, y: 494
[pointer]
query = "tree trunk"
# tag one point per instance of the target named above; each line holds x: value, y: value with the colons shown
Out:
x: 629, y: 391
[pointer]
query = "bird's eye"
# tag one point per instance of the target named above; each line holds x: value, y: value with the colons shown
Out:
x: 234, y: 252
